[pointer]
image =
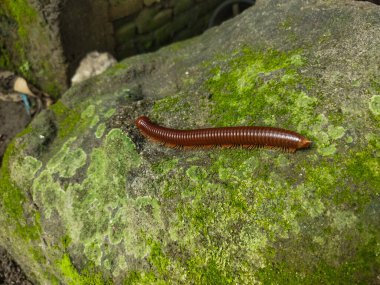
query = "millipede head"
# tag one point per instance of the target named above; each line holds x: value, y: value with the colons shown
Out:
x: 304, y: 143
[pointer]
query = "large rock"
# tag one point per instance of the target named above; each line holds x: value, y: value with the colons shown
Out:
x: 86, y: 200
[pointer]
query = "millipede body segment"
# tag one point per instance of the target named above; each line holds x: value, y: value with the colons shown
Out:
x: 247, y: 137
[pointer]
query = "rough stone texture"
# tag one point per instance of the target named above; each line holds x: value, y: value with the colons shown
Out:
x: 119, y: 9
x: 48, y: 40
x: 182, y: 6
x: 157, y: 23
x: 45, y: 41
x: 30, y: 43
x: 13, y: 119
x: 150, y: 2
x: 125, y: 33
x: 10, y: 272
x: 163, y: 16
x: 86, y: 200
x: 145, y: 21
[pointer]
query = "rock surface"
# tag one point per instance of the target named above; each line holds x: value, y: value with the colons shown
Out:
x: 30, y: 43
x: 44, y: 41
x: 86, y: 200
x: 10, y: 272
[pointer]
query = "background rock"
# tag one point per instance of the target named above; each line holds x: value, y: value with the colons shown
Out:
x: 30, y: 44
x: 44, y: 41
x: 86, y: 200
x: 10, y: 273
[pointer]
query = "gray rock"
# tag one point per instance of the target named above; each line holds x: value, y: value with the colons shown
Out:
x: 86, y: 199
x: 120, y: 9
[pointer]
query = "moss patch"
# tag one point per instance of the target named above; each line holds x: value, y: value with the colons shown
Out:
x: 12, y: 198
x: 28, y: 57
x: 67, y: 161
x: 374, y: 105
x: 246, y: 218
x: 20, y: 225
x: 100, y: 130
x: 98, y: 209
x: 262, y: 88
x: 24, y: 15
x: 222, y: 216
x: 72, y: 277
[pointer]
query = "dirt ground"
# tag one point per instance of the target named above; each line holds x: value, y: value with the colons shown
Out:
x: 13, y: 119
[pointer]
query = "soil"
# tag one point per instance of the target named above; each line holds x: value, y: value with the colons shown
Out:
x: 13, y: 119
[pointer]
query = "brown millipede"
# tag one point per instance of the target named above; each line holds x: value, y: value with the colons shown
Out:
x: 247, y: 137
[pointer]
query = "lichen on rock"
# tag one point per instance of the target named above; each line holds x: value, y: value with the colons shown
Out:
x: 99, y: 204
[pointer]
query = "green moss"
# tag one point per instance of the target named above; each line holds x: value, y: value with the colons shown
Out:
x: 48, y: 192
x: 365, y: 168
x: 259, y: 84
x: 167, y: 103
x: 255, y: 210
x: 327, y: 150
x: 25, y: 16
x: 53, y: 87
x: 211, y: 273
x: 67, y: 161
x: 66, y: 240
x: 236, y: 216
x: 196, y: 173
x: 68, y: 125
x: 69, y: 271
x: 117, y: 68
x: 89, y: 112
x: 66, y: 118
x: 178, y: 106
x: 223, y: 216
x: 20, y: 225
x: 109, y: 113
x: 74, y: 121
x: 94, y: 121
x: 358, y: 251
x: 24, y: 169
x: 267, y: 88
x: 100, y: 130
x: 23, y: 13
x: 21, y: 49
x: 286, y: 24
x: 166, y: 167
x: 72, y: 276
x: 158, y: 259
x: 335, y: 132
x: 98, y: 207
x: 12, y: 198
x: 143, y: 278
x: 374, y: 105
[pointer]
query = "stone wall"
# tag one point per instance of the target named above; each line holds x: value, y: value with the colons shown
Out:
x: 144, y: 25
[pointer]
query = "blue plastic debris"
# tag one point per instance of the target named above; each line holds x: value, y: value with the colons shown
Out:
x: 26, y: 102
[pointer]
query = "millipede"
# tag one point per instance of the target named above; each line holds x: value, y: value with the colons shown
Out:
x: 243, y: 136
